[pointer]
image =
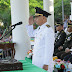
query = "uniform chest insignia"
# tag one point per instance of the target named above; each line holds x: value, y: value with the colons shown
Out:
x: 62, y: 31
x: 59, y: 36
x: 48, y: 26
x: 68, y: 38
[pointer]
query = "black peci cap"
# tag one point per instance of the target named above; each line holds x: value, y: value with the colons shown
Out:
x: 59, y: 23
x: 69, y: 24
x: 40, y: 12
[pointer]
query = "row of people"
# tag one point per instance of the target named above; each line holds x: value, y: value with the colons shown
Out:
x: 63, y: 42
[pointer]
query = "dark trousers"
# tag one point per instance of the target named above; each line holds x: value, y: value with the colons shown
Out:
x: 70, y: 59
x: 59, y: 54
x: 57, y: 51
x: 64, y: 54
x: 66, y: 58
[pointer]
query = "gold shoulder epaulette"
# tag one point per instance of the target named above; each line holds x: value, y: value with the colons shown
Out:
x: 48, y: 26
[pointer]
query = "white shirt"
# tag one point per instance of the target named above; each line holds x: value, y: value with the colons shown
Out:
x: 44, y: 42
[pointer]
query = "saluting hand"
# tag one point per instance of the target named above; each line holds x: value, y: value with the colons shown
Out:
x: 31, y: 20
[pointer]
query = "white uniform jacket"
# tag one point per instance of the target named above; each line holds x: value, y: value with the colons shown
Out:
x: 43, y: 46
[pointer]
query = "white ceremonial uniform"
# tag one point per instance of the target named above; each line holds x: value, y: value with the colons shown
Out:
x: 43, y: 47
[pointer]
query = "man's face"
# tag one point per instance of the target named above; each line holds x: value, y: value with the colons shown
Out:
x: 38, y: 20
x: 58, y: 28
x: 69, y: 29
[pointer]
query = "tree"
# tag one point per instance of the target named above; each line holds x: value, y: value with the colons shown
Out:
x: 33, y: 4
x: 5, y: 12
x: 58, y: 9
x: 5, y: 9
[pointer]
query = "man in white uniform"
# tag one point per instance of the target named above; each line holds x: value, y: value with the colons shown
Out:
x: 44, y: 40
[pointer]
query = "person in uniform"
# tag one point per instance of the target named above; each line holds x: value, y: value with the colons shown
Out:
x: 67, y: 44
x: 59, y: 41
x: 68, y: 57
x: 44, y: 40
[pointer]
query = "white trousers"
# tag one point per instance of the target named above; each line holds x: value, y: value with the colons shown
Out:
x: 50, y: 69
x: 38, y: 61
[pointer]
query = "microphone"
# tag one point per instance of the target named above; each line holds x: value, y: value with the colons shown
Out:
x: 19, y: 23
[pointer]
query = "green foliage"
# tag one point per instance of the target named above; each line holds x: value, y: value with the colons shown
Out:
x: 58, y: 9
x: 5, y: 9
x: 33, y: 4
x: 5, y: 12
